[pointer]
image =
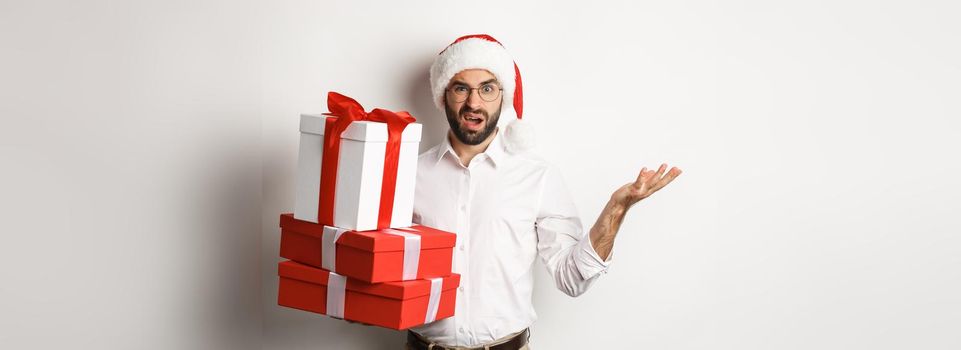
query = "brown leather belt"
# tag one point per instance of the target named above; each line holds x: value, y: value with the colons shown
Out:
x: 417, y: 343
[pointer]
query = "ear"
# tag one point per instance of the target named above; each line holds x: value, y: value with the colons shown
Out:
x: 445, y: 101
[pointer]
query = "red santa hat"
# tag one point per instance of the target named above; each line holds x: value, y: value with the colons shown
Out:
x: 481, y: 51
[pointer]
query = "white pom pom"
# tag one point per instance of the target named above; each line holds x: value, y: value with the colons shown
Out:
x: 519, y: 136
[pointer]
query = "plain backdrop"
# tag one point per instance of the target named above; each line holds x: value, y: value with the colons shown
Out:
x: 147, y: 148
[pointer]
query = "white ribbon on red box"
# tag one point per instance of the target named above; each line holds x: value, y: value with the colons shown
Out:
x: 434, y: 302
x: 411, y: 250
x: 337, y: 290
x: 328, y: 245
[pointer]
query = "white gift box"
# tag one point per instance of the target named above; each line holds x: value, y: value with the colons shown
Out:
x: 360, y: 172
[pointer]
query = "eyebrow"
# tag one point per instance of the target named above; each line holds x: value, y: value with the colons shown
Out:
x: 459, y: 82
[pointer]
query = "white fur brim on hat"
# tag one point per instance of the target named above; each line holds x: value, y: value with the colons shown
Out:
x: 474, y: 53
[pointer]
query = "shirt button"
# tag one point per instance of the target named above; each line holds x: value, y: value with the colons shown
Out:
x: 463, y: 330
x: 462, y: 247
x: 461, y: 288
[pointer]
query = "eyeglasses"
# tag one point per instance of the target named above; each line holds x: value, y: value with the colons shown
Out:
x: 488, y: 92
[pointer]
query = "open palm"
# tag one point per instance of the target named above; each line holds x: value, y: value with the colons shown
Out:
x: 648, y: 182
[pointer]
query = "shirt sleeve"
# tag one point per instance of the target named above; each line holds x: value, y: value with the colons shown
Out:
x: 563, y: 245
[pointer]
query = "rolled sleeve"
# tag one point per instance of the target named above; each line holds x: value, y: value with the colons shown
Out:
x: 562, y: 243
x: 589, y: 264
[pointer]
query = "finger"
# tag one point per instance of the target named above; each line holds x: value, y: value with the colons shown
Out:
x: 643, y: 185
x: 640, y: 176
x: 660, y: 171
x: 670, y: 176
x: 647, y: 179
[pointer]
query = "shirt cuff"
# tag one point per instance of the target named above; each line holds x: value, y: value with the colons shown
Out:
x: 589, y: 264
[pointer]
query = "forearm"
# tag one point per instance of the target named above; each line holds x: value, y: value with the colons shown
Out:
x: 606, y: 227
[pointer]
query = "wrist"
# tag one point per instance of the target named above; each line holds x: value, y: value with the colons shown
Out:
x: 618, y: 206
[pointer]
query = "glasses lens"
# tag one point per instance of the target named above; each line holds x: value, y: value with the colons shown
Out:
x: 459, y: 93
x: 488, y: 92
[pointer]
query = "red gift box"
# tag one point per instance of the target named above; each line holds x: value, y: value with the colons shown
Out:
x: 385, y: 255
x: 395, y: 305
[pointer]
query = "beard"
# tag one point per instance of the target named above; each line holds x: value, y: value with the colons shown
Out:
x: 470, y: 137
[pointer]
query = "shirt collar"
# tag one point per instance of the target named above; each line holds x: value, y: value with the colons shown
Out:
x: 494, y: 151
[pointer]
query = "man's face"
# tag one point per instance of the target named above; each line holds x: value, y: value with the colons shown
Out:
x: 474, y: 119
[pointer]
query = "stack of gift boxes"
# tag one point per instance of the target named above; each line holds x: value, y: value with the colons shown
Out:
x: 353, y: 251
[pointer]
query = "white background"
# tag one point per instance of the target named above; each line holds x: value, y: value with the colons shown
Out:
x: 148, y: 148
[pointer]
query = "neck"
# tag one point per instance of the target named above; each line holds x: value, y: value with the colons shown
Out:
x: 467, y: 152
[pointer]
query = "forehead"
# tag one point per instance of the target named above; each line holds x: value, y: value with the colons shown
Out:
x: 473, y: 76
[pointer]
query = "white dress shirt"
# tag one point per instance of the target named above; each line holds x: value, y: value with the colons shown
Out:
x: 506, y: 210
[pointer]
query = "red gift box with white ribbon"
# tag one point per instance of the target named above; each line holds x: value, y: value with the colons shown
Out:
x: 395, y: 305
x: 392, y: 254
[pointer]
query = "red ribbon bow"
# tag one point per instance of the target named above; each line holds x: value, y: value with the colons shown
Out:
x: 343, y: 111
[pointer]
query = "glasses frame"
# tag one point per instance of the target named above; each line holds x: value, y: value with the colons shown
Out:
x: 449, y: 90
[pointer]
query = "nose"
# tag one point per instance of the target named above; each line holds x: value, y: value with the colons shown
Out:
x: 474, y: 100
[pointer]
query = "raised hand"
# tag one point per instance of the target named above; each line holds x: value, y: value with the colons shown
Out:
x: 648, y: 182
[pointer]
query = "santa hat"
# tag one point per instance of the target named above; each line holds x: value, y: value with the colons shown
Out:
x: 481, y: 51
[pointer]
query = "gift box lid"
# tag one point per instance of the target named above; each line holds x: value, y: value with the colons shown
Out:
x: 374, y: 240
x: 395, y: 290
x: 359, y: 130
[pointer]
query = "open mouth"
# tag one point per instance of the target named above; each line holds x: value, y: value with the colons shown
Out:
x: 473, y: 121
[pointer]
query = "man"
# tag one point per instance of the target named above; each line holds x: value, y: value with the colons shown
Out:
x: 506, y: 206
